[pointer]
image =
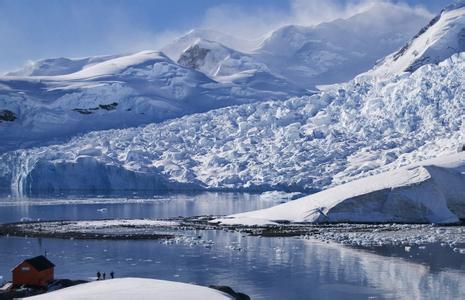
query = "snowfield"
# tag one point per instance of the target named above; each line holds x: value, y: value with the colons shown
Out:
x: 309, y: 143
x: 429, y: 192
x: 128, y: 288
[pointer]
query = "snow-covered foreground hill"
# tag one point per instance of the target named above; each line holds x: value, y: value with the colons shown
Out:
x: 354, y: 130
x: 139, y: 288
x: 429, y: 192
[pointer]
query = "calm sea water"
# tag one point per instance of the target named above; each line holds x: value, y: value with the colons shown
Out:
x: 264, y: 268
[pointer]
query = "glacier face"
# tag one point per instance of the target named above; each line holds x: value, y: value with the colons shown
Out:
x: 352, y: 130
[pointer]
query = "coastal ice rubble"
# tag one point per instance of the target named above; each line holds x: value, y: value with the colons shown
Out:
x: 127, y: 288
x: 429, y: 192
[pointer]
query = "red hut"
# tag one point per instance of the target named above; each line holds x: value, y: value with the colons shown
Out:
x: 37, y: 271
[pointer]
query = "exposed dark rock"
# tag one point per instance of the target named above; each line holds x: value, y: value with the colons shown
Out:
x: 193, y: 57
x: 228, y: 290
x: 423, y: 30
x: 64, y: 283
x: 82, y: 111
x: 88, y: 111
x: 7, y: 115
x: 110, y: 106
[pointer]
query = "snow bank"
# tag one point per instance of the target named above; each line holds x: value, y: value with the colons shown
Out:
x: 430, y: 192
x: 134, y: 288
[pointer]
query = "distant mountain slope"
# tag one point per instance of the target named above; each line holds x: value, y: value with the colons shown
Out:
x: 52, y: 100
x: 175, y: 48
x: 328, y: 53
x: 350, y: 131
x: 59, y: 66
x: 444, y: 36
x: 113, y: 92
x: 337, y: 51
x: 230, y: 66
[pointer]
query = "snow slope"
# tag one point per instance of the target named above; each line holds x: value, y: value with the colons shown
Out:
x: 443, y: 37
x: 58, y: 66
x: 141, y: 289
x: 175, y: 48
x: 113, y: 92
x: 226, y: 65
x: 53, y: 99
x: 429, y: 192
x: 332, y: 52
x: 337, y: 51
x: 303, y: 144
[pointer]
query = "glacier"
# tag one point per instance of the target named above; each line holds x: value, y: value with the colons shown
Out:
x: 357, y: 129
x: 386, y: 146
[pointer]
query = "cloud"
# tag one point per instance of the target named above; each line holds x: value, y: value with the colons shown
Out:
x: 252, y: 24
x: 60, y: 28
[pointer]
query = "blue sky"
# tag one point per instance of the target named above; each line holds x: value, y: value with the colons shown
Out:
x: 31, y: 29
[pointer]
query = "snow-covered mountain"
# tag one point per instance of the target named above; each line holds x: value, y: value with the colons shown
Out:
x: 313, y: 142
x: 328, y: 53
x: 51, y: 100
x: 339, y: 50
x: 59, y: 66
x: 348, y: 131
x: 230, y: 66
x: 63, y: 97
x: 175, y: 48
x: 442, y: 37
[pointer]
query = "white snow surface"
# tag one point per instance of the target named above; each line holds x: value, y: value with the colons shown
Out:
x: 308, y: 56
x: 134, y: 288
x: 116, y: 92
x: 353, y: 130
x: 429, y: 192
x: 441, y: 38
x: 339, y: 50
x: 54, y: 99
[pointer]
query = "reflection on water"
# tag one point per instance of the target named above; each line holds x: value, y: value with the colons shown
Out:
x: 14, y: 210
x: 265, y: 268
